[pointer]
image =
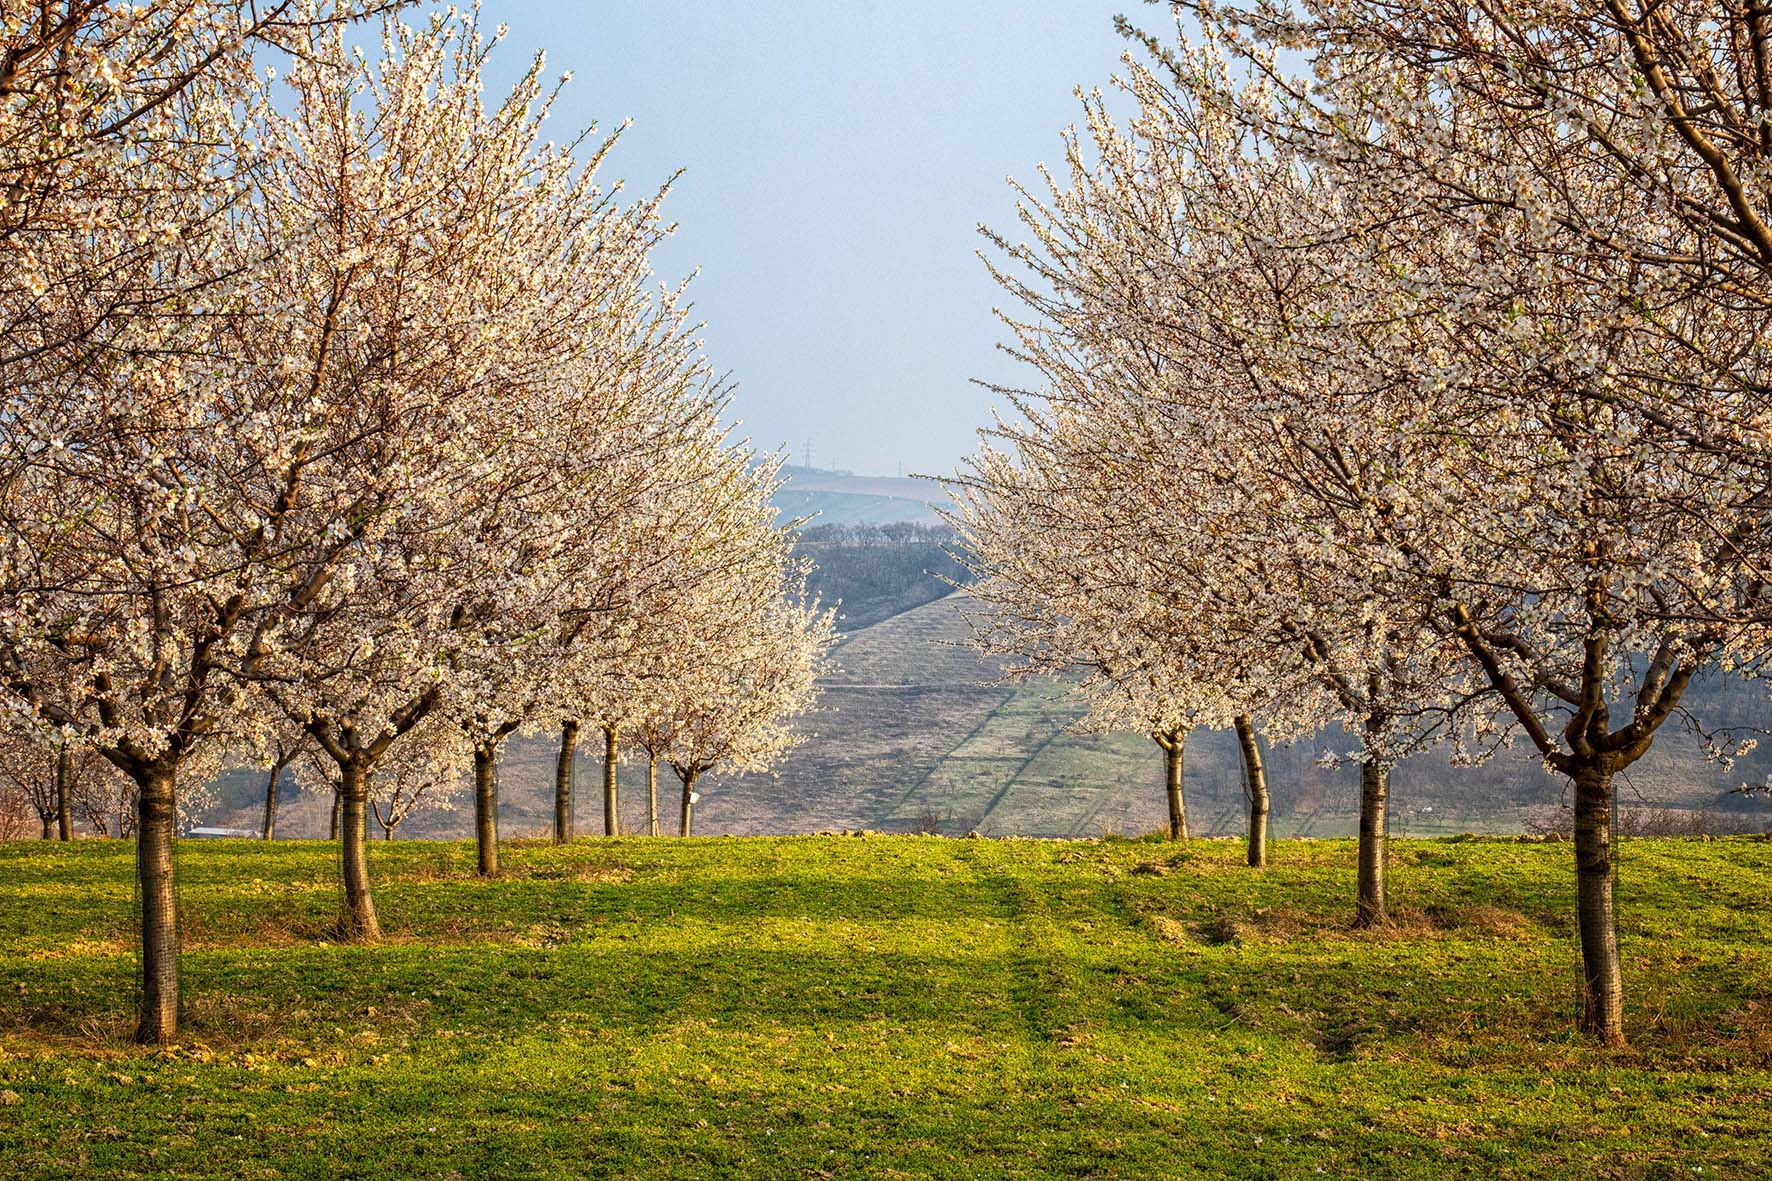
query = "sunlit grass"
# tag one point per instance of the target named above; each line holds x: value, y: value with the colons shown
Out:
x: 879, y: 1007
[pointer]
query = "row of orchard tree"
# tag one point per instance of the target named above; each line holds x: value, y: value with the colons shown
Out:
x: 342, y: 409
x: 1403, y: 367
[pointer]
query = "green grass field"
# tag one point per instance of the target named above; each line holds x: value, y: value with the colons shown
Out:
x: 887, y: 1008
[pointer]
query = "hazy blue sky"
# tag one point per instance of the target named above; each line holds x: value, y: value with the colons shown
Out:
x: 838, y: 158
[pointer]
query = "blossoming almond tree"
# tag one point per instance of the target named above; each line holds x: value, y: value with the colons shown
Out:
x: 748, y: 650
x: 1047, y: 538
x: 118, y: 597
x: 144, y: 491
x: 1082, y: 559
x: 64, y: 782
x: 587, y: 542
x: 634, y: 461
x: 454, y: 292
x: 285, y: 744
x: 43, y: 769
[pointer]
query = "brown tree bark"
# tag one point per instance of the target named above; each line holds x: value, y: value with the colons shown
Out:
x: 652, y: 794
x: 1591, y: 753
x: 486, y: 807
x: 611, y: 807
x: 688, y: 779
x: 338, y: 811
x: 1369, y: 902
x: 270, y: 825
x: 356, y: 761
x: 64, y: 784
x: 563, y: 769
x: 1255, y: 778
x: 356, y: 921
x: 1174, y: 747
x: 1603, y: 981
x: 156, y: 830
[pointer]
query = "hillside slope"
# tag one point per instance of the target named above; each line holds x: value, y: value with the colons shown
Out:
x: 839, y: 498
x: 871, y: 573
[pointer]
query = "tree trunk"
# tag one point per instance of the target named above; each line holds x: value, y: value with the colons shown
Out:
x: 156, y: 829
x: 338, y: 808
x: 48, y: 825
x: 688, y: 802
x: 652, y: 794
x: 357, y: 922
x: 271, y: 802
x: 1255, y: 777
x: 1603, y: 1013
x: 1174, y: 746
x: 611, y: 808
x: 563, y: 782
x: 486, y: 807
x: 64, y: 781
x: 1369, y: 906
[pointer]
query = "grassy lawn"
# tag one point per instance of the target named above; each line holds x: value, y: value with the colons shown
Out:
x: 889, y: 1007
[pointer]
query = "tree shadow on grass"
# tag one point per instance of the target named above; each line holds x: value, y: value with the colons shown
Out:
x: 1333, y: 1004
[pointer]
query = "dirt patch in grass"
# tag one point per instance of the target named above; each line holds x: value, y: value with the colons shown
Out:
x: 1230, y: 925
x: 1478, y: 919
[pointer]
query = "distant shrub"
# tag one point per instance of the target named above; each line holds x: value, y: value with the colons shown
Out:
x: 1652, y: 822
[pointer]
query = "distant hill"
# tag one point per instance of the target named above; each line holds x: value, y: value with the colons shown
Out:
x: 873, y: 572
x: 839, y: 498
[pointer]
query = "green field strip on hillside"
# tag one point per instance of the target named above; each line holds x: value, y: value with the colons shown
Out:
x: 897, y: 811
x: 1084, y: 771
x: 1044, y: 807
x: 1229, y: 823
x: 1095, y: 768
x: 1023, y: 704
x: 951, y: 790
x: 1004, y: 738
x: 997, y: 799
x: 1042, y: 810
x: 1028, y: 703
x: 1082, y: 826
x: 1304, y: 824
x: 976, y: 754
